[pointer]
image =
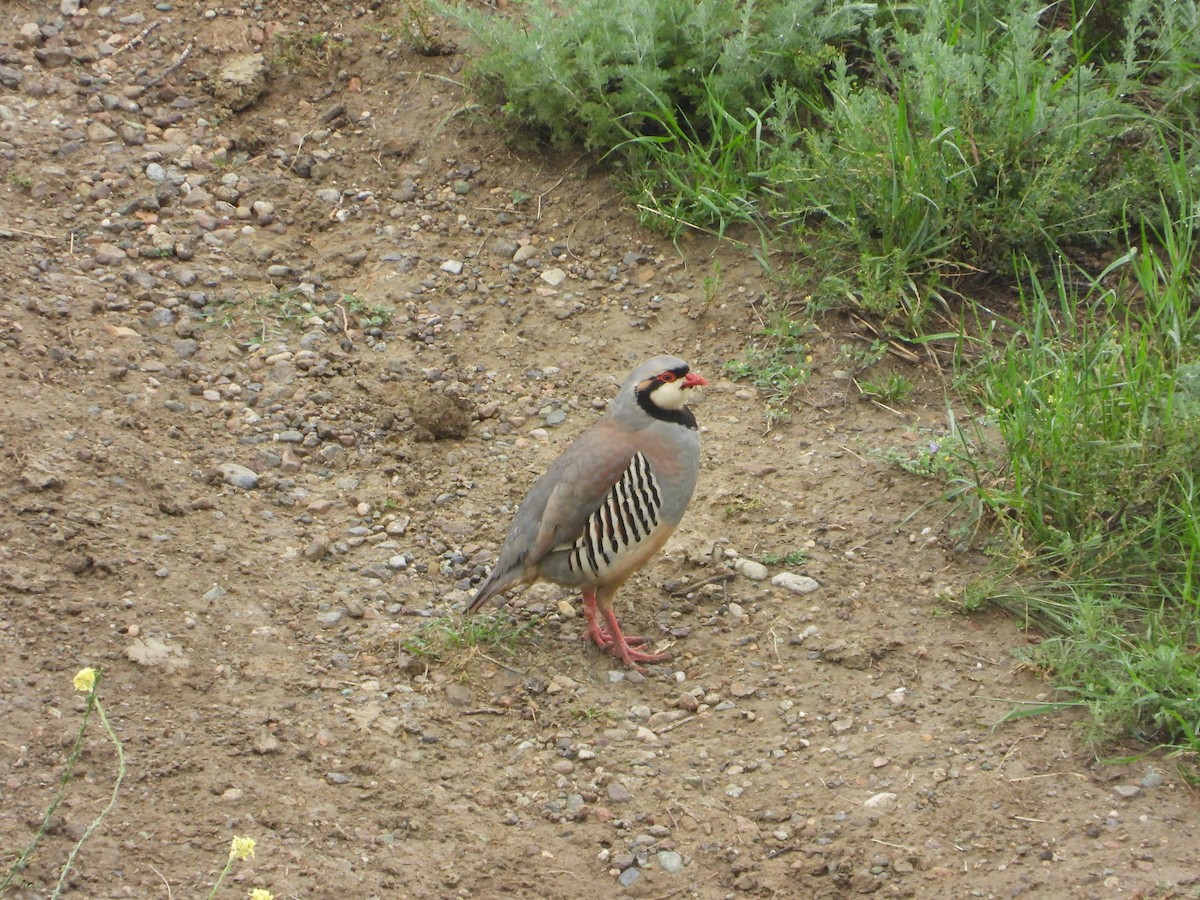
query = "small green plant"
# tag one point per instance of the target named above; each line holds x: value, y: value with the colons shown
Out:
x: 795, y: 557
x: 741, y: 506
x: 711, y: 284
x: 86, y: 681
x: 421, y: 22
x: 370, y: 315
x: 23, y: 181
x: 892, y: 389
x: 778, y: 363
x: 593, y: 714
x: 434, y: 640
x: 266, y: 314
x: 313, y: 53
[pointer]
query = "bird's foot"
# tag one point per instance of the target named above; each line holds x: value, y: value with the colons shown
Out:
x: 605, y: 641
x: 624, y: 647
x: 631, y: 656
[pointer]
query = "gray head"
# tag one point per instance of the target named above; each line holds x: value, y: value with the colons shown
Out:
x: 656, y: 388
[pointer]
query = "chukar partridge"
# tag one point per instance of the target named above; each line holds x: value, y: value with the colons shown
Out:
x: 609, y: 502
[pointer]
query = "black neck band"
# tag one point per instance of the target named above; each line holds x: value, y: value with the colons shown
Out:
x: 682, y: 416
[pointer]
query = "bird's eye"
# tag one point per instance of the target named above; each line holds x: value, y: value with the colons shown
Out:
x: 667, y: 377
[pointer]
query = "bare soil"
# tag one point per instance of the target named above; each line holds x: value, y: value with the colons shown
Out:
x: 273, y: 385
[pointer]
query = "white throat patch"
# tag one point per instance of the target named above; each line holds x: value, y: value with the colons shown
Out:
x: 668, y: 396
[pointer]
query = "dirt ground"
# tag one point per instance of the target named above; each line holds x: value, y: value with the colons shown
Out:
x: 283, y: 340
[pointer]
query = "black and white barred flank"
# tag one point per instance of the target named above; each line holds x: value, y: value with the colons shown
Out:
x: 626, y: 517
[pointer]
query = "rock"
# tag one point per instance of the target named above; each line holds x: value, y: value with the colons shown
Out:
x: 453, y: 266
x: 238, y: 476
x: 669, y: 861
x: 1127, y: 791
x: 317, y: 548
x: 882, y: 801
x: 241, y: 81
x: 797, y: 584
x: 99, y: 133
x: 38, y: 478
x: 848, y: 653
x: 337, y: 778
x: 553, y: 277
x: 264, y: 742
x: 108, y: 254
x: 524, y: 252
x: 629, y: 876
x: 458, y: 694
x: 617, y: 792
x: 751, y: 569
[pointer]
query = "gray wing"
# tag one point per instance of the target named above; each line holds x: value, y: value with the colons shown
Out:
x: 555, y: 511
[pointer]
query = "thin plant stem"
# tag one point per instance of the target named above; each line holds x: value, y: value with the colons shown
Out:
x: 62, y: 878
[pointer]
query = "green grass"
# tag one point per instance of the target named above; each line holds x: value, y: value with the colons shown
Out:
x: 1095, y: 499
x: 891, y: 389
x: 795, y: 557
x: 442, y: 637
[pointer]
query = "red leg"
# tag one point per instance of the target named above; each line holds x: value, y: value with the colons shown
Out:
x: 595, y: 631
x: 620, y: 646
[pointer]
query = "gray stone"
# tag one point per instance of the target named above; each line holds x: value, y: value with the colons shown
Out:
x: 751, y: 569
x: 669, y: 861
x: 618, y: 793
x: 797, y: 584
x: 238, y: 476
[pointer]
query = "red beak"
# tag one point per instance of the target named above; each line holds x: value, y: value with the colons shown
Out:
x: 692, y: 379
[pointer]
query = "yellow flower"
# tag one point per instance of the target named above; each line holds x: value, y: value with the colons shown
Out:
x: 84, y: 680
x: 241, y: 848
x: 260, y: 894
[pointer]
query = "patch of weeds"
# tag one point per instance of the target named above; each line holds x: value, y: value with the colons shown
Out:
x: 493, y: 634
x: 21, y: 181
x: 422, y: 24
x: 928, y: 460
x: 711, y: 284
x: 704, y: 176
x: 266, y: 314
x: 741, y: 506
x: 593, y: 714
x: 313, y: 53
x: 1097, y: 399
x: 778, y: 363
x: 893, y: 389
x: 855, y: 358
x: 795, y: 557
x: 374, y: 315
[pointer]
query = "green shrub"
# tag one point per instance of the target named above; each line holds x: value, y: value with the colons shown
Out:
x: 606, y: 70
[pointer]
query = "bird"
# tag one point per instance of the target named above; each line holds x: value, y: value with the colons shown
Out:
x: 607, y: 504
